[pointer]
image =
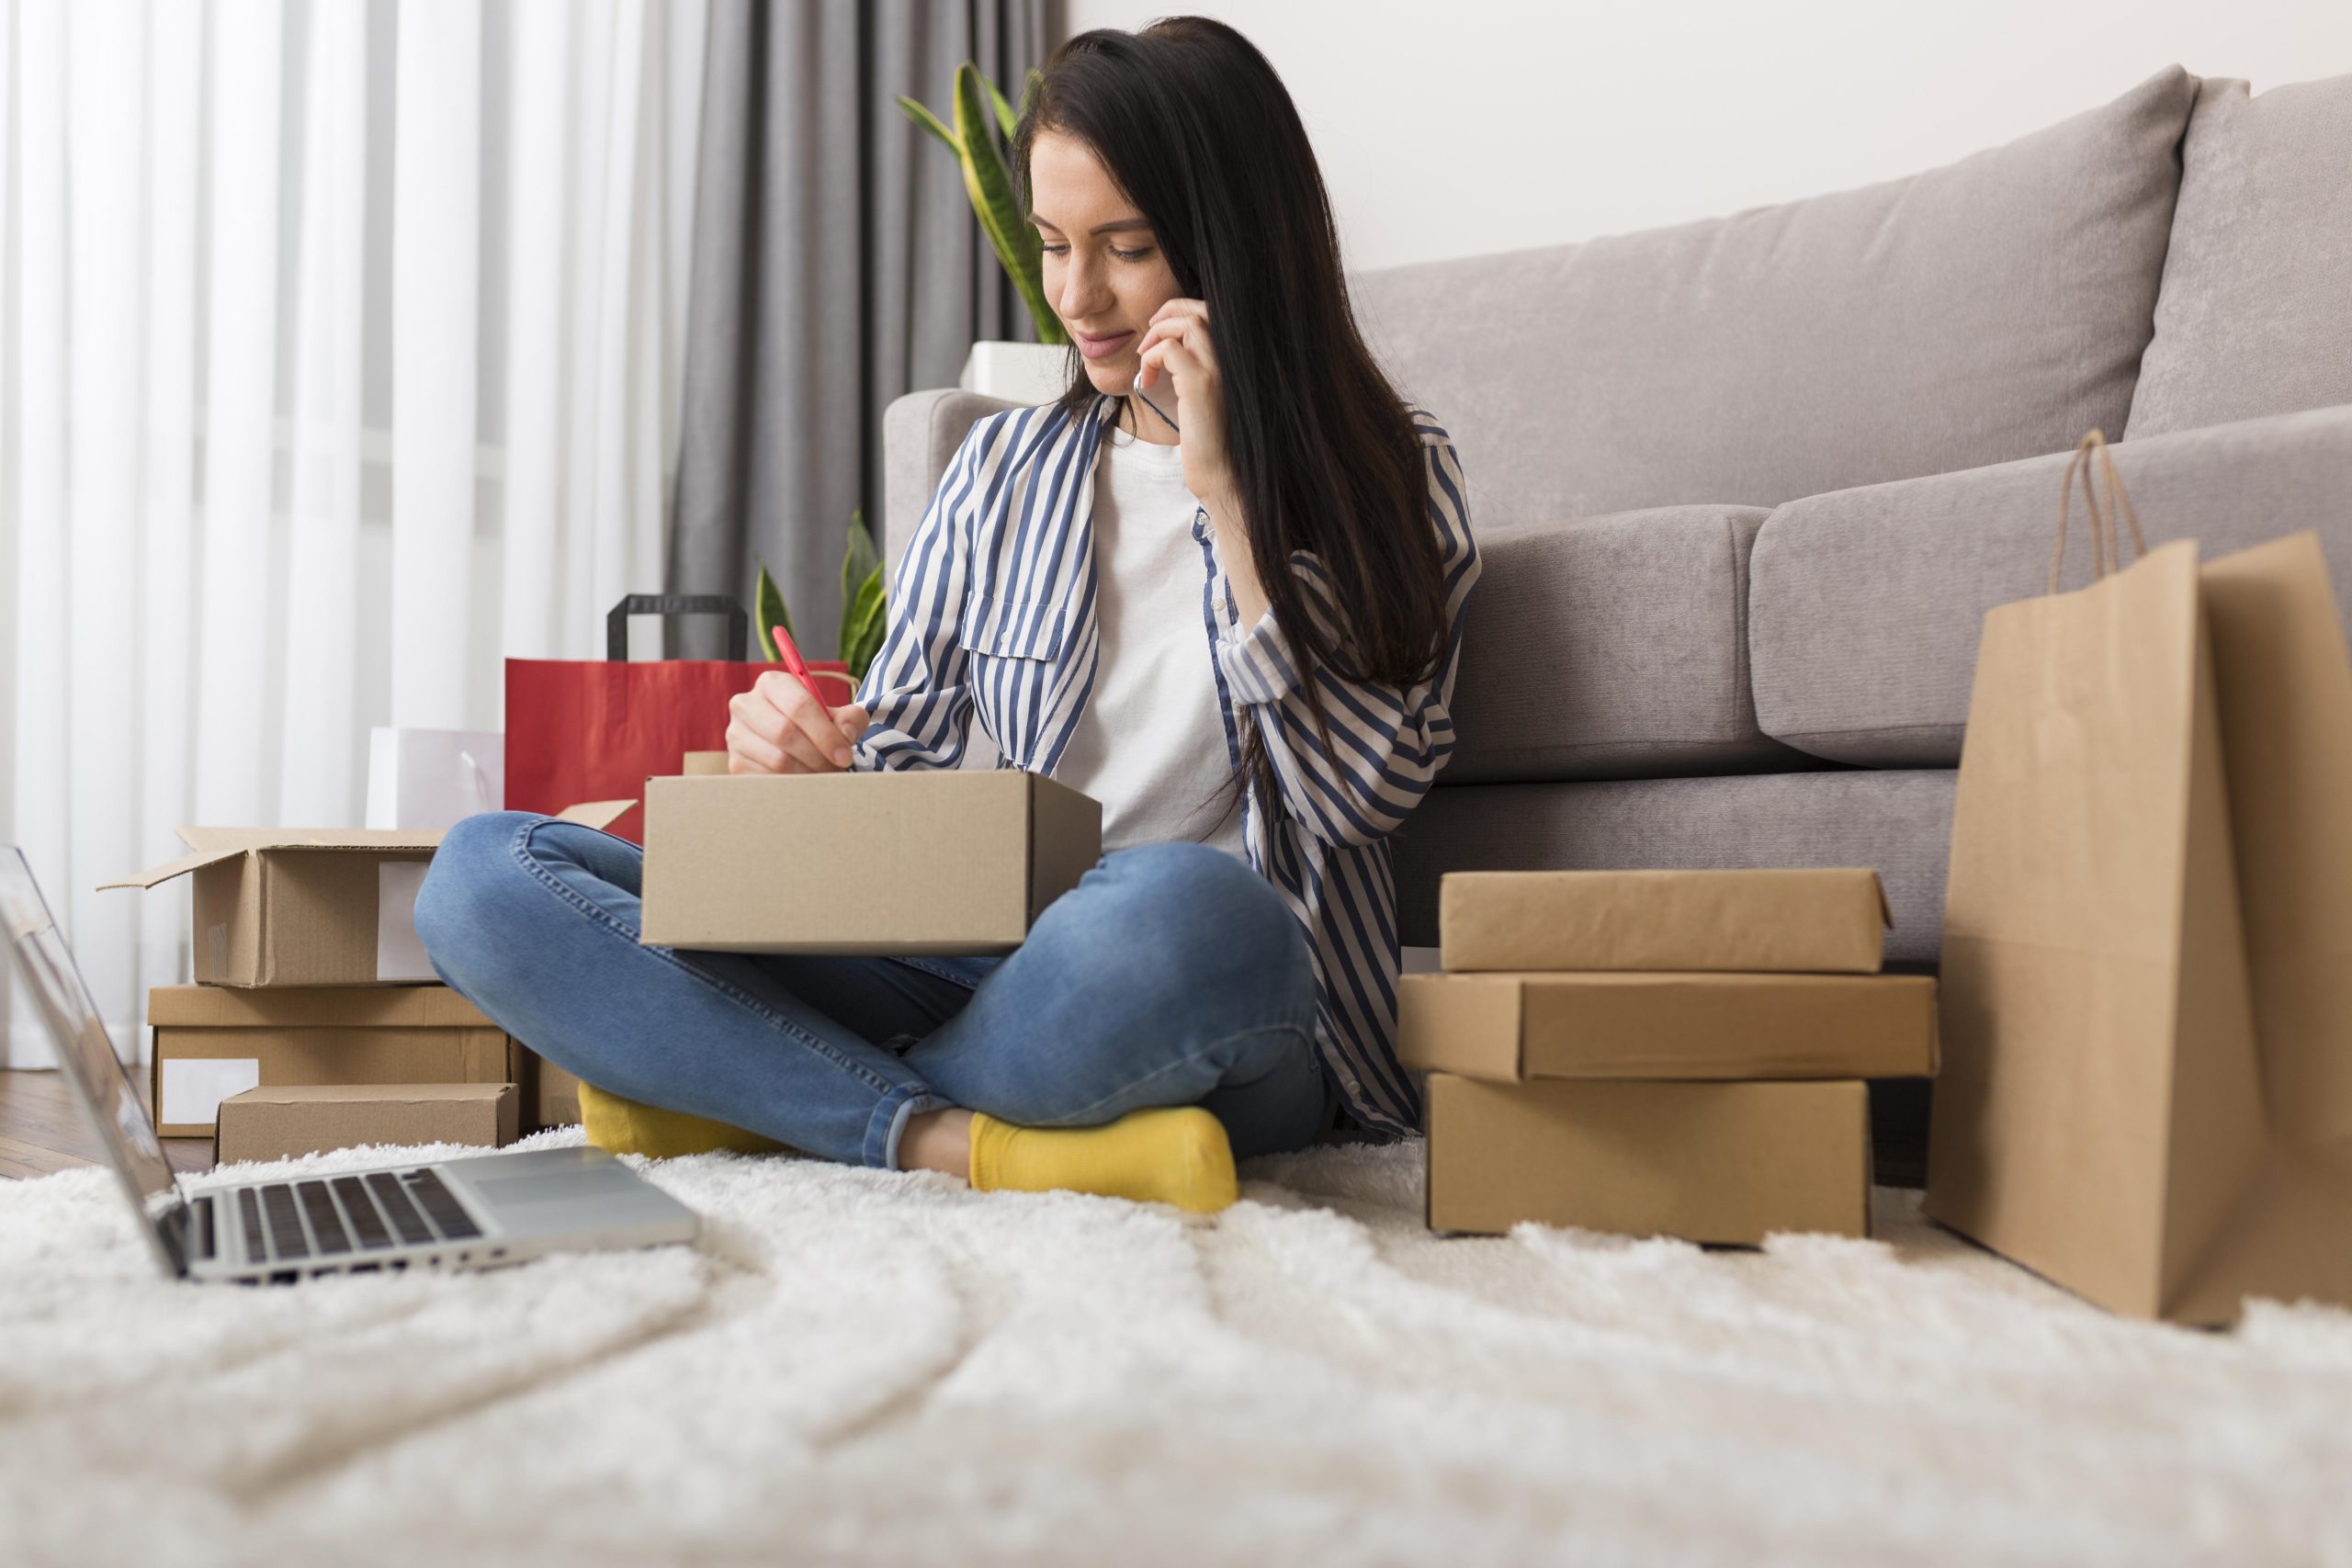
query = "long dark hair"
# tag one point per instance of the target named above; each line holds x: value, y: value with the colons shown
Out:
x: 1195, y: 127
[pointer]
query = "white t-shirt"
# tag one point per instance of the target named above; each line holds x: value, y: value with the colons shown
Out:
x: 1149, y: 743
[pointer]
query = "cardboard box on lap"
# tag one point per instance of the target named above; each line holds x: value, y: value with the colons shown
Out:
x: 213, y: 1042
x: 944, y: 862
x: 1821, y: 920
x: 1707, y: 1162
x: 313, y: 905
x: 1630, y: 1025
x: 301, y: 1119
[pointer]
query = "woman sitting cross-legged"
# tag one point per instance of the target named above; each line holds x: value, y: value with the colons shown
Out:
x: 1218, y: 585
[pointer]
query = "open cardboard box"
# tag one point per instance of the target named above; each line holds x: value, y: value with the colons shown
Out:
x: 932, y: 862
x: 313, y: 906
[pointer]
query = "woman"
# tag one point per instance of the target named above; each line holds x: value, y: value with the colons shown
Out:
x: 1130, y: 588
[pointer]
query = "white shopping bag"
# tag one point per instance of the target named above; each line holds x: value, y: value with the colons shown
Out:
x: 426, y: 780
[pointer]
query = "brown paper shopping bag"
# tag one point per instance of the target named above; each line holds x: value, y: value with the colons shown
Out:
x: 2143, y: 1086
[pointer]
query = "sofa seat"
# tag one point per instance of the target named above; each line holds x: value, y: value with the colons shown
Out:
x: 1611, y: 648
x: 1896, y: 820
x: 1865, y: 605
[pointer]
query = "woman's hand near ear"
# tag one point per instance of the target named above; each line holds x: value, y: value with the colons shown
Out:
x: 1176, y: 347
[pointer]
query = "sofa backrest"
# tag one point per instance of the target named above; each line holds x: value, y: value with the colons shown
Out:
x: 2255, y: 316
x: 1989, y: 309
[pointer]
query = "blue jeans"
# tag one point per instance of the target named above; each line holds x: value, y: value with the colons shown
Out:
x: 1172, y: 975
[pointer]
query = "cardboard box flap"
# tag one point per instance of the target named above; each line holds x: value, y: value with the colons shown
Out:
x: 207, y: 845
x: 597, y: 813
x: 171, y: 868
x: 204, y: 839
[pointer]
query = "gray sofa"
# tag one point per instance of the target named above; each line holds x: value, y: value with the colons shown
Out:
x: 1744, y: 488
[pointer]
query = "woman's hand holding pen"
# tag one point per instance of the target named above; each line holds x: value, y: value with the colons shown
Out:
x: 780, y: 727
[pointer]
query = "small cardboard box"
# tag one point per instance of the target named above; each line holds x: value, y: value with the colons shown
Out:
x: 313, y: 905
x: 1822, y: 920
x: 556, y: 1096
x: 1628, y: 1024
x: 1707, y: 1162
x: 944, y: 861
x: 212, y: 1041
x: 301, y: 1119
x: 702, y: 764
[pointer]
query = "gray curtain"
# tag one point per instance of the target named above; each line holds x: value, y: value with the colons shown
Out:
x: 837, y: 265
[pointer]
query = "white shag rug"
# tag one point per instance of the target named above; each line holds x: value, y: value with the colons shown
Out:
x: 866, y: 1366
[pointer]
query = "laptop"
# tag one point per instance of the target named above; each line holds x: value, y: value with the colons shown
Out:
x: 480, y: 1211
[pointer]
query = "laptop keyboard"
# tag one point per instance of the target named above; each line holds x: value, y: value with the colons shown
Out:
x: 327, y: 1218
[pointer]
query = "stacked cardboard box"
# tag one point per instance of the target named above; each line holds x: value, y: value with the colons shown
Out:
x: 315, y: 1013
x: 1660, y: 1051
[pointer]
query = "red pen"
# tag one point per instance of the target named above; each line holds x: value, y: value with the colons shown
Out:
x: 788, y: 653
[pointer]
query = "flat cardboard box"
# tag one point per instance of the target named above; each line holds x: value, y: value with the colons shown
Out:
x: 1707, y: 1162
x: 313, y: 905
x: 1830, y: 920
x: 1508, y: 1028
x: 932, y: 862
x: 301, y: 1119
x: 212, y: 1041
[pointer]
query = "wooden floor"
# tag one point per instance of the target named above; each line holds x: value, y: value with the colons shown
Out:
x: 42, y: 1129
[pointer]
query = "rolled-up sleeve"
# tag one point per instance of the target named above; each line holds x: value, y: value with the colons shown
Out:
x: 1388, y: 741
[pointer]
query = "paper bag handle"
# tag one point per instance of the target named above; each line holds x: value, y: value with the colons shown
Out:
x: 2106, y: 550
x: 738, y: 625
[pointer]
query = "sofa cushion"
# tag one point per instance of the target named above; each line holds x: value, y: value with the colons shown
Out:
x: 2255, y: 313
x: 1864, y: 605
x: 1610, y: 648
x: 1992, y: 309
x: 1899, y: 823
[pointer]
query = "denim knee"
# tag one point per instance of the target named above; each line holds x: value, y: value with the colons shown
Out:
x: 455, y: 902
x: 1214, y: 919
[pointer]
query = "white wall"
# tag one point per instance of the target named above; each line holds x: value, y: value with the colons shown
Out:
x: 1493, y: 125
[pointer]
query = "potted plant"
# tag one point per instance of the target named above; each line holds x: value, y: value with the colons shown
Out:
x: 1019, y: 372
x: 862, y: 618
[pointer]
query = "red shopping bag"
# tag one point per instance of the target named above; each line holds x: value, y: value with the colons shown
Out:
x: 587, y: 730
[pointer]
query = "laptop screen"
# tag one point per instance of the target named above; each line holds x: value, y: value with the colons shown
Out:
x: 47, y: 970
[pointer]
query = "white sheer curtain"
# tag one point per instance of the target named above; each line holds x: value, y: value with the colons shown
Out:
x: 340, y: 345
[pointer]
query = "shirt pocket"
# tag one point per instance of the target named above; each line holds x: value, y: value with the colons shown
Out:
x: 1010, y: 628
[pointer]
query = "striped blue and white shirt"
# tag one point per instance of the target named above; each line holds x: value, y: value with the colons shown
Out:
x: 992, y: 610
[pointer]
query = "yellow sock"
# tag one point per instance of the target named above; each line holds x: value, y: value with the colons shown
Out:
x: 1169, y: 1153
x: 631, y: 1127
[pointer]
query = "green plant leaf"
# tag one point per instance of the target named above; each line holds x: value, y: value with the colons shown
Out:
x: 768, y: 612
x: 1005, y: 115
x: 863, y: 625
x: 922, y: 116
x: 989, y: 185
x: 857, y: 564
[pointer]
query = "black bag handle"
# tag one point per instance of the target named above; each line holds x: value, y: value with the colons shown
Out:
x: 738, y: 625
